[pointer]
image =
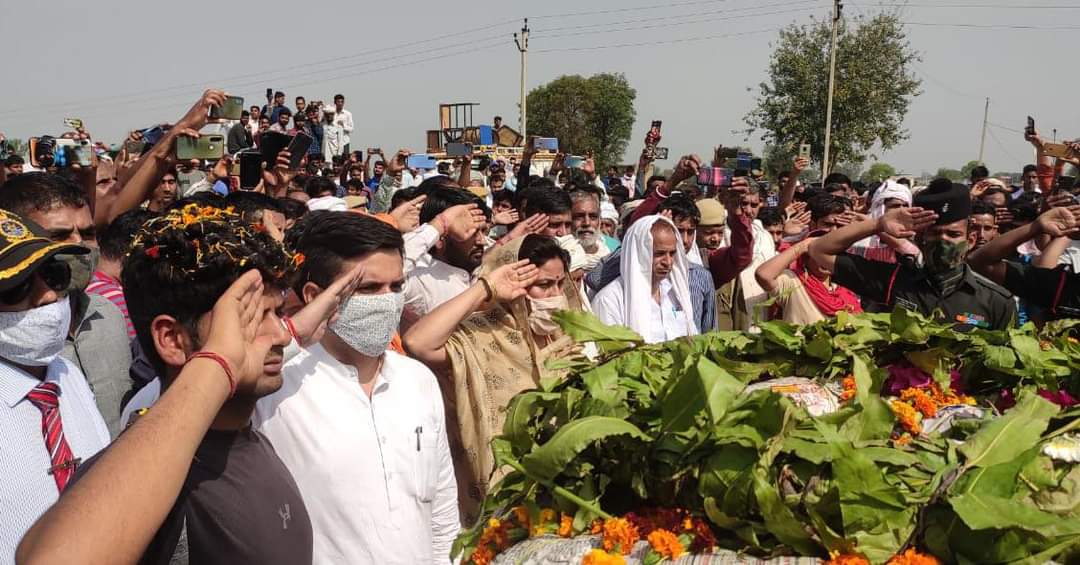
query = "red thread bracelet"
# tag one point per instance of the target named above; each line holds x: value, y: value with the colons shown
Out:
x: 292, y: 328
x: 224, y: 366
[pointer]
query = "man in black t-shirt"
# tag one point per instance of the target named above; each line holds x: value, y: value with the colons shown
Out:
x: 184, y: 482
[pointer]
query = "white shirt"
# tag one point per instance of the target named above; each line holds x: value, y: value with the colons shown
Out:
x: 333, y: 140
x: 375, y: 473
x: 27, y: 489
x: 343, y: 119
x: 667, y: 319
x: 428, y: 281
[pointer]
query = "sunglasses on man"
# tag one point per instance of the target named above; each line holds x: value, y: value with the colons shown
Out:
x: 54, y: 273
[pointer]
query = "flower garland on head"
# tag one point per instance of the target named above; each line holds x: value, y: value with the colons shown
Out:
x: 192, y: 237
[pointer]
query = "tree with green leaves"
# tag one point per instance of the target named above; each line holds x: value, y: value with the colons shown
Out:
x: 877, y: 173
x: 594, y: 114
x: 875, y: 84
x: 951, y: 174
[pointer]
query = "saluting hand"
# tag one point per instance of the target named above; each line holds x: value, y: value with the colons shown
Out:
x: 1059, y: 222
x: 513, y: 280
x: 903, y: 223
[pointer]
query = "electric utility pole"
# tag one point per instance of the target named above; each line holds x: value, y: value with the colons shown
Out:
x: 837, y: 7
x: 523, y: 47
x: 982, y: 140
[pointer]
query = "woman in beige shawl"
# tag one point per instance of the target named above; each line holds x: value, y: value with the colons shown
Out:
x: 490, y: 343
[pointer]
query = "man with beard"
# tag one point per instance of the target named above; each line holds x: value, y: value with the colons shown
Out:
x: 585, y: 216
x: 165, y: 193
x: 939, y: 221
x: 442, y: 253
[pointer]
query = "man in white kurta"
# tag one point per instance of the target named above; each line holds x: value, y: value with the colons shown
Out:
x: 652, y: 294
x: 375, y: 473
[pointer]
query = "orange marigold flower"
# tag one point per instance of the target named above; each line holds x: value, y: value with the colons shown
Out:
x: 566, y: 526
x: 620, y: 535
x: 849, y: 388
x: 601, y: 557
x: 666, y: 544
x: 908, y: 417
x: 522, y: 515
x: 836, y: 558
x: 687, y: 524
x: 596, y: 527
x: 912, y: 557
x: 920, y: 400
x: 903, y: 439
x: 483, y: 555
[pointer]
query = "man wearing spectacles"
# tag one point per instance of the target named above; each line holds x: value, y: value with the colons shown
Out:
x: 49, y: 421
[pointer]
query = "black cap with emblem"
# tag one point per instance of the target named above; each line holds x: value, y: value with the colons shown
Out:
x: 24, y: 246
x: 951, y: 201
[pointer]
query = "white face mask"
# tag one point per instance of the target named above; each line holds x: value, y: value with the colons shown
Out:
x: 35, y: 337
x: 540, y: 311
x: 367, y: 322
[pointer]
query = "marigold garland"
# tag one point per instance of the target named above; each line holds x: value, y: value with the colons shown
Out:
x: 620, y: 535
x: 666, y: 544
x: 836, y: 558
x: 918, y: 403
x: 671, y: 532
x: 566, y: 526
x: 909, y: 418
x: 912, y: 557
x: 601, y: 557
x: 849, y: 390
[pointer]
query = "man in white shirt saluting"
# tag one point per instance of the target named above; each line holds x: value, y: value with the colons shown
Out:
x: 362, y: 428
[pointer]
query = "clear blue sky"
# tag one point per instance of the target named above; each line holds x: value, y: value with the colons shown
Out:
x: 124, y: 64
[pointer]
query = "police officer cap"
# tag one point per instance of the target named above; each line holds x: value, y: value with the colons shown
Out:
x: 951, y: 201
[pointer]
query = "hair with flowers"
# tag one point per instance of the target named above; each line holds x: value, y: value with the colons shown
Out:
x: 181, y: 262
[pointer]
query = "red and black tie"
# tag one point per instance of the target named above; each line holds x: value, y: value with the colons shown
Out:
x: 46, y: 396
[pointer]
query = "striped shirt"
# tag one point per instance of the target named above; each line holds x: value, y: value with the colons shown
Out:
x: 109, y: 288
x: 27, y: 490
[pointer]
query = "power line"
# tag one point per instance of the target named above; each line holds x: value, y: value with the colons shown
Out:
x: 979, y: 6
x: 991, y: 124
x: 127, y: 108
x: 672, y: 24
x: 88, y: 109
x: 633, y: 9
x: 264, y: 76
x: 994, y: 26
x: 945, y: 85
x: 656, y: 19
x: 668, y: 42
x: 1002, y: 147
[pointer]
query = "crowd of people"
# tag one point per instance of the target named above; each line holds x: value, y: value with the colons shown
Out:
x: 313, y: 370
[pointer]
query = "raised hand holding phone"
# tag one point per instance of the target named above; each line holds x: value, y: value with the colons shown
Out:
x: 199, y: 114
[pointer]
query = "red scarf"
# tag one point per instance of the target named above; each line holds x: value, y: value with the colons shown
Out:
x: 828, y: 301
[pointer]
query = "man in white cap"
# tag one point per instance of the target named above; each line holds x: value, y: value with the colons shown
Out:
x: 609, y: 225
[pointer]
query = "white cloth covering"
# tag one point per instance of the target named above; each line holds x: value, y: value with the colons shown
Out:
x: 631, y: 304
